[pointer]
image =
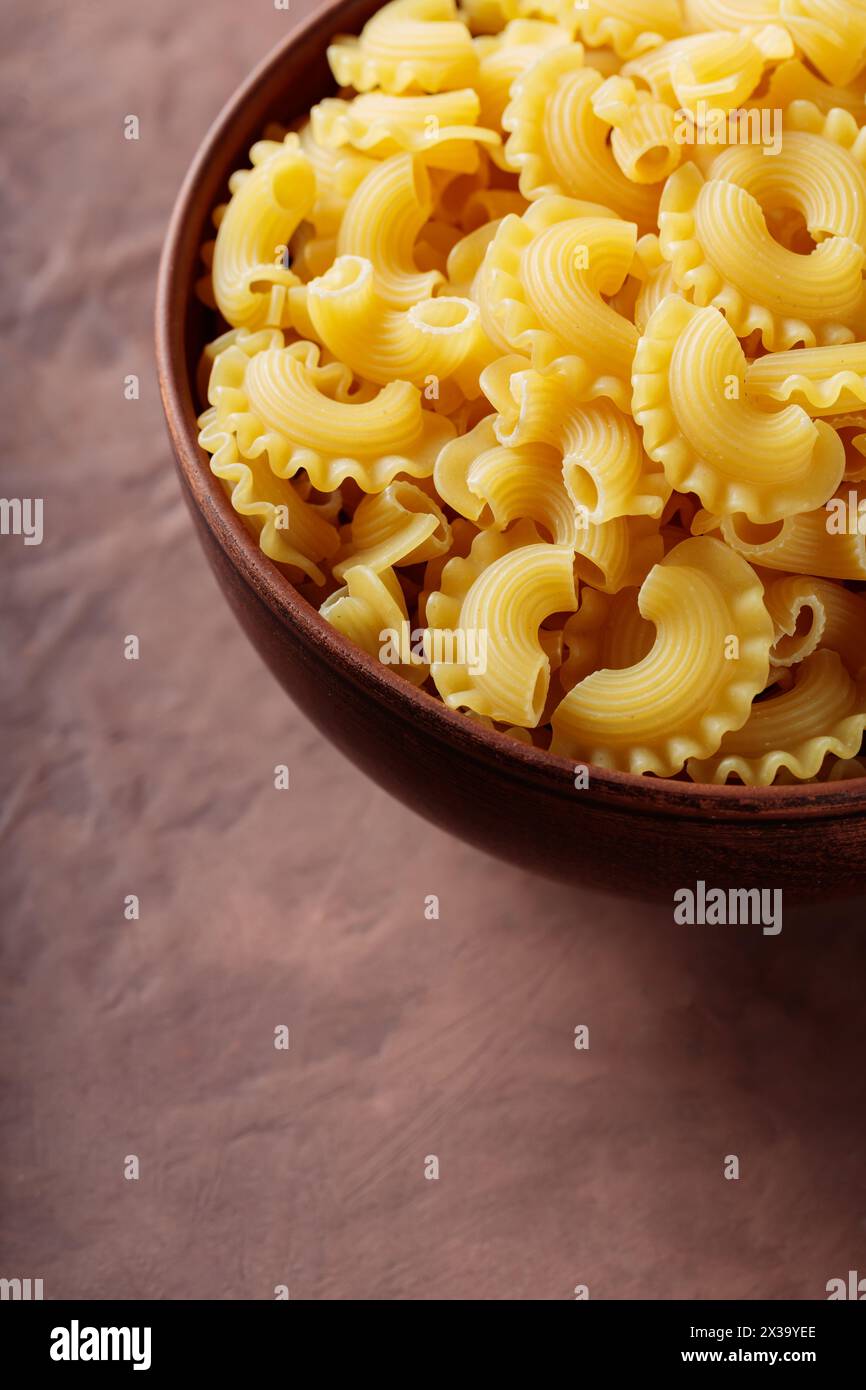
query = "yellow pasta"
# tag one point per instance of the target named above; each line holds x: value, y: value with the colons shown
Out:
x: 809, y: 613
x: 539, y: 368
x: 644, y: 131
x: 604, y: 468
x: 824, y: 381
x: 408, y: 45
x: 304, y: 415
x: 689, y: 399
x: 505, y: 589
x: 709, y: 660
x: 433, y: 341
x: 807, y: 543
x: 628, y: 26
x: 558, y: 143
x: 715, y: 235
x: 371, y: 611
x: 399, y: 526
x: 249, y: 272
x: 543, y: 289
x: 442, y: 129
x: 825, y: 712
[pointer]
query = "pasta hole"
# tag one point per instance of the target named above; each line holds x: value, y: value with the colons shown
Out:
x: 788, y: 646
x: 753, y: 533
x: 653, y: 161
x: 443, y: 315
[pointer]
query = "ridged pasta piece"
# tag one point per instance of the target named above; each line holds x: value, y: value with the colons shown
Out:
x: 505, y: 589
x: 400, y: 525
x: 688, y: 692
x: 504, y: 57
x: 368, y: 608
x: 435, y: 341
x: 717, y: 69
x: 542, y: 289
x: 800, y: 544
x: 443, y: 129
x: 715, y: 235
x: 604, y: 468
x: 382, y: 222
x: 643, y: 138
x: 824, y: 713
x: 607, y: 633
x: 628, y: 26
x: 559, y: 145
x: 289, y: 530
x: 493, y: 485
x: 820, y: 173
x: 824, y: 381
x: 690, y: 402
x: 408, y: 45
x: 339, y: 173
x: 851, y: 427
x: 304, y: 415
x: 728, y: 14
x: 618, y: 554
x: 811, y: 613
x: 831, y: 33
x: 249, y: 270
x: 794, y: 82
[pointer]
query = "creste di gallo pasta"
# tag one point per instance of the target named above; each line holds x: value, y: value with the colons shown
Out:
x: 541, y: 372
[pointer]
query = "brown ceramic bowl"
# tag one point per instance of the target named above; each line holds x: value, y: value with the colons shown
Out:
x: 628, y: 834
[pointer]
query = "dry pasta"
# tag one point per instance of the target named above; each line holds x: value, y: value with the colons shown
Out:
x: 541, y: 369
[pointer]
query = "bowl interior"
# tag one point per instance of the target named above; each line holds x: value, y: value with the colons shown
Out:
x: 284, y: 86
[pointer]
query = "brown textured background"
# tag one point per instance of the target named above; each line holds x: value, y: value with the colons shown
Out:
x: 258, y: 908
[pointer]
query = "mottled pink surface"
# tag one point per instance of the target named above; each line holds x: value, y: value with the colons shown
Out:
x: 408, y: 1037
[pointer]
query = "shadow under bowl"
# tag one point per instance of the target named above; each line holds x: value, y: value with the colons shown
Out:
x: 634, y: 835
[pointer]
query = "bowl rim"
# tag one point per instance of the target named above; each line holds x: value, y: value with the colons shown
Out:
x: 522, y: 763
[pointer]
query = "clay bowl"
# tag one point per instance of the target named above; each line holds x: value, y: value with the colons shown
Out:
x: 627, y: 834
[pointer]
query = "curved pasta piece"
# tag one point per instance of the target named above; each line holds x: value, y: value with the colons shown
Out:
x: 408, y: 45
x: 618, y: 554
x: 809, y: 613
x: 303, y: 415
x: 382, y: 222
x: 707, y: 72
x: 604, y: 468
x: 504, y: 56
x: 493, y: 485
x: 825, y: 712
x: 831, y: 33
x: 435, y: 341
x: 542, y: 290
x: 249, y: 270
x: 821, y: 173
x: 559, y: 145
x: 824, y: 381
x: 728, y: 14
x: 607, y: 633
x: 400, y: 525
x: 505, y: 589
x: 715, y: 235
x: 628, y: 26
x: 687, y: 693
x: 803, y: 544
x: 793, y: 82
x: 689, y: 401
x: 443, y: 129
x: 371, y: 611
x: 644, y: 131
x: 289, y: 530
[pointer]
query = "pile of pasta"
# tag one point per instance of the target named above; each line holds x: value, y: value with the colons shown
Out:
x: 522, y: 346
